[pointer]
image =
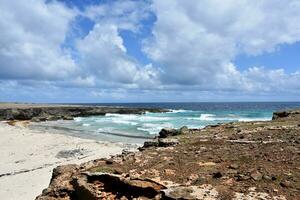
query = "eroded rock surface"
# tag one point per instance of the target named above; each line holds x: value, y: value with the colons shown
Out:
x: 249, y: 160
x: 36, y: 112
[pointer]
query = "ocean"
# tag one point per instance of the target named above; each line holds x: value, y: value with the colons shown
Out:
x: 129, y: 128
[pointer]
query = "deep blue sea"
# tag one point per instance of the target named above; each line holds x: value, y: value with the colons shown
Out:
x: 136, y: 128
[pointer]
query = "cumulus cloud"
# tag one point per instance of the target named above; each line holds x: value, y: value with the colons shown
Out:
x: 31, y: 34
x: 196, y: 42
x: 103, y: 54
x: 125, y: 14
x: 191, y: 48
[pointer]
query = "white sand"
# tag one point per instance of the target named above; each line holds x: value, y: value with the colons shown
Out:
x: 23, y: 149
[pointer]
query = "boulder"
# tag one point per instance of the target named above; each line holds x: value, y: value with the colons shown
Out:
x: 256, y: 175
x: 165, y: 132
x: 153, y: 143
x: 184, y: 130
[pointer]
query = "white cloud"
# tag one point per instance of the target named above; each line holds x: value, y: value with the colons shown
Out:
x: 196, y: 42
x: 104, y: 55
x: 125, y: 14
x: 193, y: 42
x: 31, y: 34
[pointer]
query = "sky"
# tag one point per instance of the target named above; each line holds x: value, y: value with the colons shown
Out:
x: 94, y: 51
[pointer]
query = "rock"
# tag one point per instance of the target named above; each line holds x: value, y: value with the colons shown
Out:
x: 66, y: 112
x: 285, y: 184
x: 67, y: 117
x: 256, y: 175
x: 184, y: 130
x: 266, y: 177
x: 190, y: 192
x: 148, y: 144
x: 166, y: 142
x: 170, y: 172
x: 35, y: 119
x: 233, y: 166
x: 166, y: 132
x: 285, y: 114
x: 217, y: 175
x: 60, y: 184
x: 242, y: 177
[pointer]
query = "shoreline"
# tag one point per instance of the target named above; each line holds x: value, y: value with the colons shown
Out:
x: 236, y: 160
x: 28, y: 157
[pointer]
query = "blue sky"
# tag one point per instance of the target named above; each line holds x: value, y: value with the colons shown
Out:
x: 149, y: 51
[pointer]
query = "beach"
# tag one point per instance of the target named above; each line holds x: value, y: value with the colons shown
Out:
x: 28, y: 157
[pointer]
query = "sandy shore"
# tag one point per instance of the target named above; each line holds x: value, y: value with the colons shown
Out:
x: 28, y: 157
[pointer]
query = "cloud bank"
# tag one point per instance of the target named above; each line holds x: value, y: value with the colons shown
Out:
x: 191, y: 49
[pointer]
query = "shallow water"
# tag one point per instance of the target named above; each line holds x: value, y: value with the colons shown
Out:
x: 131, y: 128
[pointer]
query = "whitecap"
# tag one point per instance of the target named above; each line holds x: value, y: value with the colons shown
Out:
x: 120, y: 121
x: 179, y: 111
x: 207, y: 117
x: 78, y: 119
x: 254, y: 119
x: 153, y: 128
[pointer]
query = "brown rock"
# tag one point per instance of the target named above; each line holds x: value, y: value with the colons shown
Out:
x: 256, y: 175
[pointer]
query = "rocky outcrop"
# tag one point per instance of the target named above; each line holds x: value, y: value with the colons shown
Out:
x: 43, y: 113
x: 286, y: 114
x: 240, y: 160
x: 71, y: 182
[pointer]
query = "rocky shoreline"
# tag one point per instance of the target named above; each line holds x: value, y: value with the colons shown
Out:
x: 241, y: 160
x: 38, y: 112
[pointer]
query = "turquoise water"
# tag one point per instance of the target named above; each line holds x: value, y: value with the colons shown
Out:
x: 137, y: 128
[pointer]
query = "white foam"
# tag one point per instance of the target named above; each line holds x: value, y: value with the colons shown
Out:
x: 153, y: 128
x: 207, y: 117
x: 254, y: 119
x: 229, y: 117
x: 86, y: 124
x: 78, y: 119
x: 120, y: 121
x: 179, y: 111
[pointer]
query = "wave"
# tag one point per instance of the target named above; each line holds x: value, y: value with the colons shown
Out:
x: 136, y: 118
x: 120, y: 121
x: 230, y: 117
x: 153, y: 129
x: 179, y: 111
x: 207, y: 117
x: 78, y: 119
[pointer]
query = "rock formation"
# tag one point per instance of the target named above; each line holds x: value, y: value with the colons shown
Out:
x: 241, y: 160
x: 67, y: 112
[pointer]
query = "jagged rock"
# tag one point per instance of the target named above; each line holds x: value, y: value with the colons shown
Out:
x: 115, y: 186
x: 153, y: 143
x: 161, y: 142
x: 285, y: 183
x: 256, y: 175
x: 166, y: 142
x: 285, y: 114
x: 166, y: 132
x: 67, y: 112
x: 60, y: 184
x: 184, y: 130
